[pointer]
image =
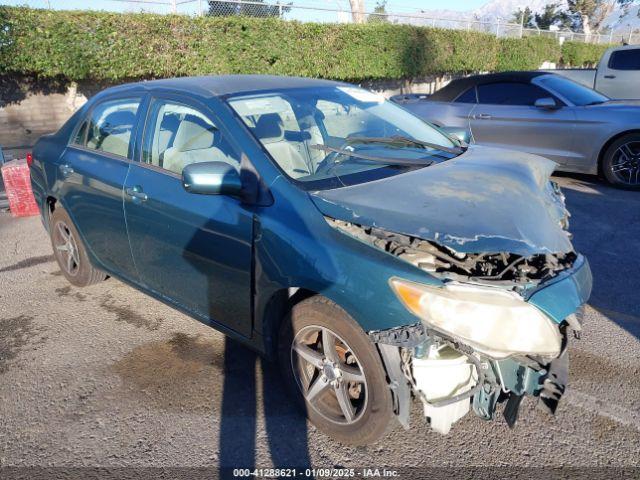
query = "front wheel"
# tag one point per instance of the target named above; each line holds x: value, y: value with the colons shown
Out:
x: 70, y: 252
x: 335, y: 372
x: 621, y: 162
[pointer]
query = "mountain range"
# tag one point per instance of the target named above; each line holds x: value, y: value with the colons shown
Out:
x: 621, y: 19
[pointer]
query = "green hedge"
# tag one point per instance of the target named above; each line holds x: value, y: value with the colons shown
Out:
x: 579, y: 54
x: 115, y: 47
x: 527, y: 53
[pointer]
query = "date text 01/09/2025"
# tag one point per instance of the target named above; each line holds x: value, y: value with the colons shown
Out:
x: 314, y: 472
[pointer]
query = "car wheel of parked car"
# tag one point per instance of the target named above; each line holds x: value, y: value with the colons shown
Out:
x: 621, y: 162
x: 70, y: 252
x: 335, y: 371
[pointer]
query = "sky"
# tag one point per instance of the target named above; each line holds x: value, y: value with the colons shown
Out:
x: 398, y: 6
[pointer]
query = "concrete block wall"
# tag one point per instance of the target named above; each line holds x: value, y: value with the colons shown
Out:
x: 26, y: 117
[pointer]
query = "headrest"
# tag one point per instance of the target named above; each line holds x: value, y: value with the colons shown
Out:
x: 193, y: 134
x: 118, y: 120
x: 170, y: 122
x: 269, y: 128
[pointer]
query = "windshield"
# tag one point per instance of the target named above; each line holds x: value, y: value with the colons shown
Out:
x: 577, y: 94
x: 334, y: 136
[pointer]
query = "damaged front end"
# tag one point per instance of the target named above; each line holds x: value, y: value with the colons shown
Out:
x: 450, y: 378
x: 494, y: 329
x: 499, y: 288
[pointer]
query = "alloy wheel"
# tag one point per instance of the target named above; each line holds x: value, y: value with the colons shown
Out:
x: 67, y: 248
x: 626, y: 163
x: 329, y: 375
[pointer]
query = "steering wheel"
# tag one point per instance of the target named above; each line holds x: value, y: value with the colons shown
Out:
x: 329, y: 161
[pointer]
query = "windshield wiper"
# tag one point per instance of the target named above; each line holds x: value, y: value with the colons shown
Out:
x: 387, y: 160
x: 405, y: 141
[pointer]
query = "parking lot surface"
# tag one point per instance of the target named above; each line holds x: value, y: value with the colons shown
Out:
x: 106, y: 376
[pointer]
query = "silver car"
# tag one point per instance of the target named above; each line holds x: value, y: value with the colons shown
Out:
x: 545, y: 114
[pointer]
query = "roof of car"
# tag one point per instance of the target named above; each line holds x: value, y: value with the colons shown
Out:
x: 220, y: 85
x: 456, y: 87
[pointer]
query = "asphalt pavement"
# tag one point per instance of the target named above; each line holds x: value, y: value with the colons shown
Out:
x: 107, y: 377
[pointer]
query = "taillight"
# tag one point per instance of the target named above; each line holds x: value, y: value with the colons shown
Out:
x: 29, y: 158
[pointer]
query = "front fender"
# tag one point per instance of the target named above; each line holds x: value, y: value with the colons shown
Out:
x: 563, y: 295
x: 295, y: 247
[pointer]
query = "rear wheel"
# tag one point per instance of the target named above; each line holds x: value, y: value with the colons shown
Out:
x: 70, y: 253
x: 621, y: 162
x: 335, y: 372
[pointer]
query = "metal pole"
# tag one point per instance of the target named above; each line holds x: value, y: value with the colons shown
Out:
x: 522, y: 24
x: 200, y: 7
x: 174, y: 7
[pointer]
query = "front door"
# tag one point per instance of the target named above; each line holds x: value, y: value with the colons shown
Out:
x: 91, y: 174
x: 193, y: 250
x: 506, y: 117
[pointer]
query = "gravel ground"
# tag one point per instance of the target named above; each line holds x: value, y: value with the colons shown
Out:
x: 107, y: 377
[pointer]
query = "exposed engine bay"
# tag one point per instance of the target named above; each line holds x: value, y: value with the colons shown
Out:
x: 444, y: 262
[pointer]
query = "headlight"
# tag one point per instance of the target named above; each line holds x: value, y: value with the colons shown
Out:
x: 495, y: 322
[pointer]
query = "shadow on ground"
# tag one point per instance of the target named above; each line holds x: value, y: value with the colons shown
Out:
x: 286, y: 427
x: 606, y: 226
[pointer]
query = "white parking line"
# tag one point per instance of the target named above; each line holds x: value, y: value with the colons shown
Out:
x: 604, y: 408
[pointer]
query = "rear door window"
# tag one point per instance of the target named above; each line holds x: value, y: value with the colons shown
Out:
x: 625, y: 59
x: 510, y: 93
x: 110, y: 125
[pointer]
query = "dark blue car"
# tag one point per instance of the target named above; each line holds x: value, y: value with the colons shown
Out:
x: 375, y: 256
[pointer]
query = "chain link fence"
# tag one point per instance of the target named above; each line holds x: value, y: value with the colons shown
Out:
x: 329, y: 11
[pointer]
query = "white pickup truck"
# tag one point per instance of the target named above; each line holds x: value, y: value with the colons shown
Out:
x: 617, y: 74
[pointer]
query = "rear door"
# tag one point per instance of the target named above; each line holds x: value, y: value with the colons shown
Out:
x: 620, y: 77
x: 91, y: 175
x: 506, y: 117
x: 193, y: 250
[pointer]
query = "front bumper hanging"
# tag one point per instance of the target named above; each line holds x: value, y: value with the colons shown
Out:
x: 508, y: 380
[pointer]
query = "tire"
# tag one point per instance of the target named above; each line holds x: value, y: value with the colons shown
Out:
x: 357, y: 358
x: 66, y: 243
x: 622, y: 170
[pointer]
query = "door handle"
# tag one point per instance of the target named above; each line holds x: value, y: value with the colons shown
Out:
x: 66, y: 171
x: 482, y: 116
x: 136, y: 193
x: 609, y: 76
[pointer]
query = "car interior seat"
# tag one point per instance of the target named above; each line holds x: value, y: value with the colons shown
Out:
x: 194, y: 142
x: 114, y: 133
x: 269, y: 129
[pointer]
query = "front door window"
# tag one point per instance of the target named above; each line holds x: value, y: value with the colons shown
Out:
x: 179, y: 135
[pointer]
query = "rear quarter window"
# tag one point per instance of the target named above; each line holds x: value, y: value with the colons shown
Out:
x: 80, y: 133
x: 467, y: 97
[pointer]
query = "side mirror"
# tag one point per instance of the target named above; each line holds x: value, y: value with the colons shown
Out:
x: 546, y: 103
x: 460, y: 133
x: 211, y: 178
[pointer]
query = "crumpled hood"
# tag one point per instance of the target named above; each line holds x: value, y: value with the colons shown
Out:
x: 485, y: 200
